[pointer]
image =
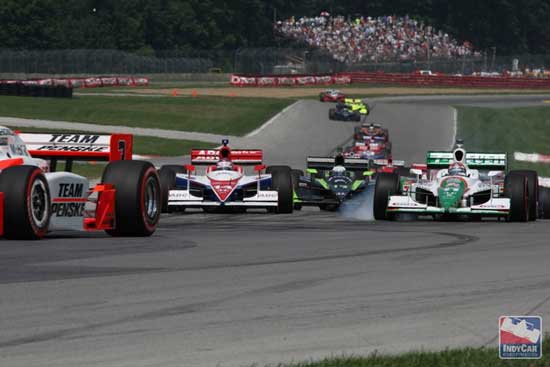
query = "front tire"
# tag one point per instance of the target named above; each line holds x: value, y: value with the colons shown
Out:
x: 137, y: 198
x: 281, y: 181
x: 167, y: 174
x: 387, y: 184
x: 515, y: 188
x: 533, y: 190
x: 27, y: 203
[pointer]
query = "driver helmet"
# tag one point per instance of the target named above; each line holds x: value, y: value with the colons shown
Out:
x: 224, y: 165
x: 457, y: 169
x: 339, y: 170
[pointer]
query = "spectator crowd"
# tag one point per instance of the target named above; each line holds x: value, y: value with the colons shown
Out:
x: 368, y: 39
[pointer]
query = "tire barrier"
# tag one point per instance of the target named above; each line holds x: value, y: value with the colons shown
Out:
x: 25, y: 90
x: 379, y: 78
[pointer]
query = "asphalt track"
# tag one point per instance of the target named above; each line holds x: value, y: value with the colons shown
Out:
x: 233, y: 290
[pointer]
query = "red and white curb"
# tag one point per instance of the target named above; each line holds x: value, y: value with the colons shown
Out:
x: 532, y: 157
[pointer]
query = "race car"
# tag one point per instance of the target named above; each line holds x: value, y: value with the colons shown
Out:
x: 456, y: 185
x: 357, y: 105
x: 368, y: 148
x: 343, y: 112
x: 330, y: 181
x: 371, y: 131
x: 36, y: 200
x: 332, y: 95
x: 225, y: 187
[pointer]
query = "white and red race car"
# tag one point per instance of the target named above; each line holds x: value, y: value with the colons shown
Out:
x: 225, y: 186
x: 35, y: 200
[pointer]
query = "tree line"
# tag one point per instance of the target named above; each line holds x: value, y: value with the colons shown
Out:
x: 149, y: 26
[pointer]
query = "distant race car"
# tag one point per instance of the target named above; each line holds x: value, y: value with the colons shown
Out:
x: 371, y: 131
x: 343, y: 113
x: 36, y: 200
x: 332, y: 95
x: 330, y: 181
x: 357, y: 105
x: 459, y: 185
x: 369, y: 148
x: 225, y: 186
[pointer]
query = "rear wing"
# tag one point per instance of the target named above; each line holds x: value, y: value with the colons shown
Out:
x: 487, y: 161
x: 327, y: 163
x: 212, y: 156
x: 79, y: 147
x: 386, y: 162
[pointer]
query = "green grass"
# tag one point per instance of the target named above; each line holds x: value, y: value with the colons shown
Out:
x: 524, y: 129
x: 90, y: 170
x: 217, y: 115
x: 467, y: 357
x: 144, y: 145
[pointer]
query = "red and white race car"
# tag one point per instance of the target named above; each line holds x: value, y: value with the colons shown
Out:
x: 225, y: 186
x: 332, y: 95
x: 35, y: 200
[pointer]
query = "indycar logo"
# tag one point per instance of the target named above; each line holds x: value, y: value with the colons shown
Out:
x: 520, y: 337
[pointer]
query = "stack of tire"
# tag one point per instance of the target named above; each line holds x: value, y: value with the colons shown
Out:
x: 34, y: 90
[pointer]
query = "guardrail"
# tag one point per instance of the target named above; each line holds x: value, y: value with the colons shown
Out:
x: 408, y: 80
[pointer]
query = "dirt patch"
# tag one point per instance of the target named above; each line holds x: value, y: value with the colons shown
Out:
x: 312, y: 92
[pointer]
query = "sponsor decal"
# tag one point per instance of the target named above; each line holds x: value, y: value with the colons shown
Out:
x: 520, y: 337
x: 68, y: 148
x: 72, y: 190
x: 74, y: 138
x: 223, y: 188
x: 69, y: 202
x: 68, y: 209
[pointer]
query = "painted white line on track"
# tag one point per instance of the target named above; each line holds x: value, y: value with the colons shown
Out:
x: 271, y: 120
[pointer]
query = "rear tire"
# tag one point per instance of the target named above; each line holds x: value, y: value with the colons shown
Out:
x: 27, y: 203
x: 167, y: 176
x: 544, y: 203
x: 516, y: 188
x: 281, y: 181
x: 331, y: 114
x: 533, y: 190
x: 137, y: 198
x: 387, y: 184
x: 296, y: 174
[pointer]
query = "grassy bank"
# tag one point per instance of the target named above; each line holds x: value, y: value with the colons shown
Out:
x: 144, y: 145
x: 467, y: 357
x: 525, y: 129
x: 217, y: 115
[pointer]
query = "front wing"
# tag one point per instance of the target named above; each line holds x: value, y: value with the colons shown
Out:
x: 185, y: 199
x: 498, y: 207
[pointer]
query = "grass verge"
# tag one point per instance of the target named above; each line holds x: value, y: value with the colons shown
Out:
x: 523, y: 129
x: 144, y: 145
x: 209, y: 114
x: 466, y: 357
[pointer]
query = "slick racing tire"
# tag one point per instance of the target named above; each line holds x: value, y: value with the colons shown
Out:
x: 517, y: 190
x: 296, y: 174
x: 167, y: 174
x: 332, y: 114
x: 27, y: 203
x: 137, y: 197
x: 533, y: 188
x: 387, y: 184
x: 355, y: 117
x: 281, y: 181
x: 544, y: 203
